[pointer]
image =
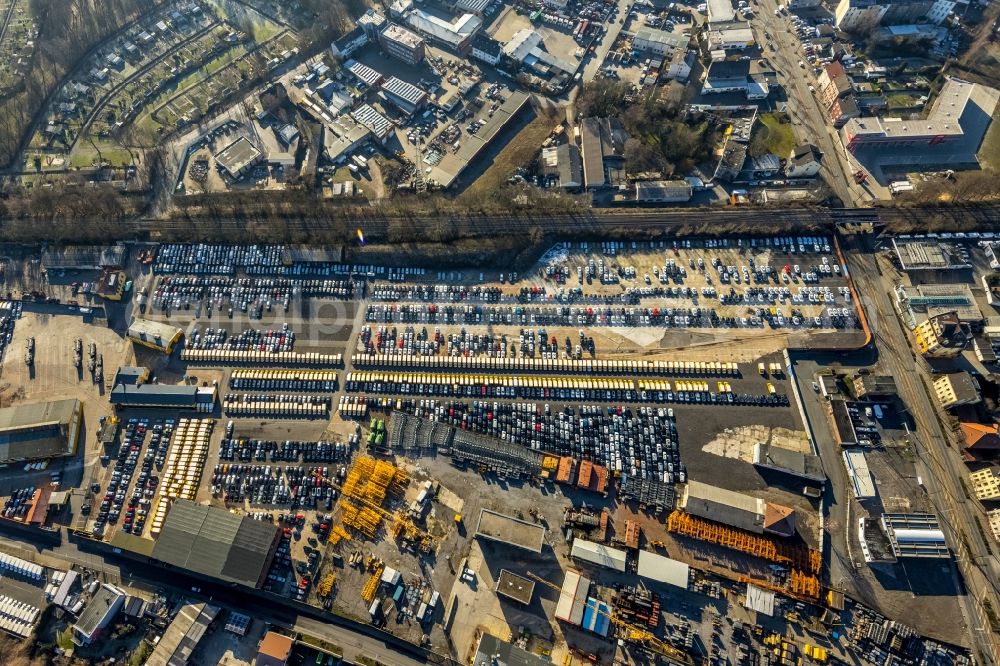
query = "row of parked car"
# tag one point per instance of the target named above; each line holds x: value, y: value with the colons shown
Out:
x: 130, y: 458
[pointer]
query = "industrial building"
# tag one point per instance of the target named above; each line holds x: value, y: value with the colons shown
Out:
x: 511, y: 531
x: 155, y: 335
x: 365, y: 75
x: 663, y: 191
x: 39, y: 430
x: 735, y: 36
x: 447, y: 172
x: 563, y: 162
x: 914, y: 535
x: 744, y: 512
x: 403, y: 44
x: 239, y: 157
x: 380, y: 127
x: 573, y: 598
x: 183, y: 634
x: 83, y: 258
x: 342, y: 136
x: 950, y: 134
x: 405, y: 96
x: 215, y: 543
x: 275, y: 649
x: 930, y: 300
x: 862, y: 482
x: 663, y: 569
x: 956, y: 389
x: 165, y: 396
x: 456, y: 34
x: 492, y: 651
x: 785, y: 461
x: 728, y: 76
x: 919, y: 254
x: 102, y: 608
x: 515, y: 587
x: 660, y: 42
x: 602, y: 146
x: 599, y: 554
x: 721, y: 11
x: 841, y: 423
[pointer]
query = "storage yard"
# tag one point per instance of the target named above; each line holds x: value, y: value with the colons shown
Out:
x: 404, y: 447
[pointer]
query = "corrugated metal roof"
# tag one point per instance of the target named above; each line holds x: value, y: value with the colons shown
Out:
x: 663, y: 569
x: 724, y: 506
x: 599, y: 554
x: 215, y: 543
x: 404, y: 90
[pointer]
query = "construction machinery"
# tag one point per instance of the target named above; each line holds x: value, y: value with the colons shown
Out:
x: 631, y: 633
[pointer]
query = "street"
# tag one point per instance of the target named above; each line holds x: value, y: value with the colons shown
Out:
x: 938, y: 464
x: 803, y: 106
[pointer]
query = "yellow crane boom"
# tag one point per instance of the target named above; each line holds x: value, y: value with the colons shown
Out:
x: 631, y: 632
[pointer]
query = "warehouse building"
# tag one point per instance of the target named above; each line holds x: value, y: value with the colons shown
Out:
x: 238, y: 158
x: 447, y: 172
x: 84, y: 258
x: 380, y: 127
x: 511, y: 531
x: 98, y: 614
x: 950, y: 134
x: 456, y: 34
x: 660, y: 42
x: 405, y: 96
x: 165, y: 396
x: 403, y: 44
x: 183, y: 635
x: 515, y: 587
x: 737, y: 510
x: 663, y: 191
x: 862, y: 481
x: 915, y: 535
x: 663, y: 569
x: 39, y: 430
x: 802, y: 465
x: 573, y: 598
x: 366, y: 76
x: 491, y: 650
x: 563, y: 163
x: 599, y: 554
x: 215, y: 543
x: 153, y: 334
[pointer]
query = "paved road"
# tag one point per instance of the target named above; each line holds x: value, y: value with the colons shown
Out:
x: 784, y: 52
x: 937, y: 462
x: 7, y: 20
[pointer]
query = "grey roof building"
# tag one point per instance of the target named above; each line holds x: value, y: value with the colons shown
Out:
x: 183, y: 635
x: 492, y: 650
x: 216, y: 543
x: 403, y: 94
x: 98, y: 613
x: 39, y: 430
x: 164, y: 395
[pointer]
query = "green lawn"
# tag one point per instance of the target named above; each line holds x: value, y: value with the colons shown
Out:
x: 780, y: 138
